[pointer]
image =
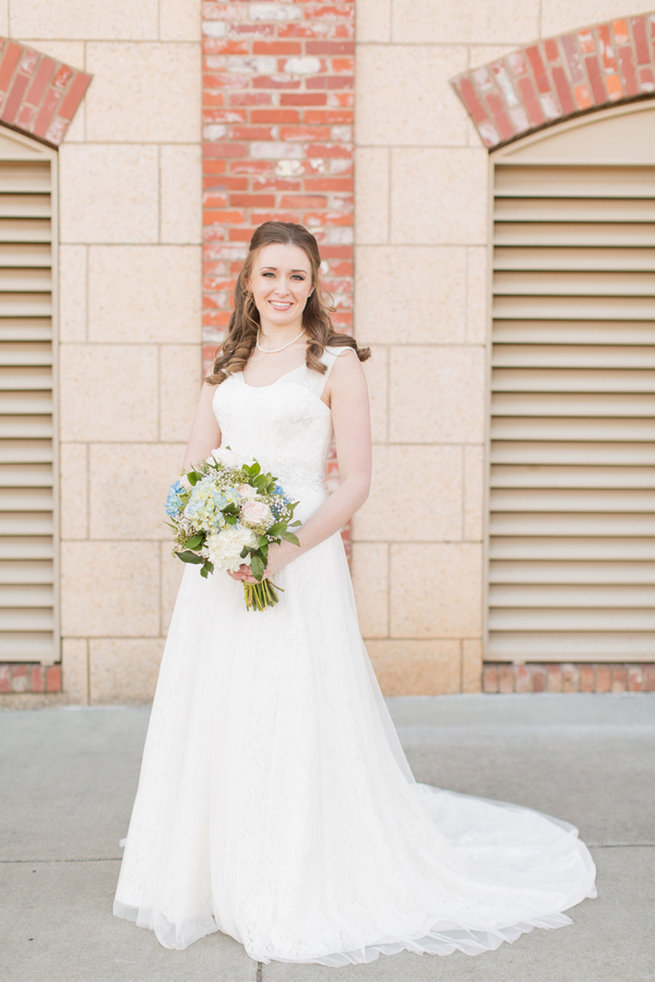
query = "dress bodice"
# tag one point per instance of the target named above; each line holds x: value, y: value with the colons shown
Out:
x: 284, y: 425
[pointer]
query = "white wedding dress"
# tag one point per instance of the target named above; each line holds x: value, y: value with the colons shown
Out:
x: 275, y: 803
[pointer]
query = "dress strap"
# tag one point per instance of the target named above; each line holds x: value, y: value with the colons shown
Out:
x: 329, y: 359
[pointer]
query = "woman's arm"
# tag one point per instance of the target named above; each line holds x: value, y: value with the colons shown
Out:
x: 205, y: 432
x: 349, y: 406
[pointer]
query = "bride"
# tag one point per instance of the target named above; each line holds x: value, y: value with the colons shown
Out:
x: 275, y: 803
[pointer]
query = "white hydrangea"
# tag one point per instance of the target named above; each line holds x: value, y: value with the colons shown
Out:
x: 223, y: 549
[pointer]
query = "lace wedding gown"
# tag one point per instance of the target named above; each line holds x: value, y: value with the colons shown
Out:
x: 275, y: 803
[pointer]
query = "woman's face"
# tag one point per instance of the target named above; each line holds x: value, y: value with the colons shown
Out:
x: 281, y: 283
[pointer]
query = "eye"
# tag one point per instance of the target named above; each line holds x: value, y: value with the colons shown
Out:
x: 298, y: 276
x: 268, y: 274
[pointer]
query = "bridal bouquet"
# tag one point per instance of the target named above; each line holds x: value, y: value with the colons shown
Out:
x: 225, y: 513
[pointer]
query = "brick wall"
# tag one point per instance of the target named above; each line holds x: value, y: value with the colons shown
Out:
x: 277, y: 117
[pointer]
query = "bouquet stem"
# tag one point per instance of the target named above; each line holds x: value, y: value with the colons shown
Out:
x: 261, y: 595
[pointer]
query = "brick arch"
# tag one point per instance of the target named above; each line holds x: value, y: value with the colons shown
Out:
x: 560, y: 77
x: 38, y: 94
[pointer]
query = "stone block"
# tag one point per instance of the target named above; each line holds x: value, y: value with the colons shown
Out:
x: 416, y: 668
x: 474, y: 480
x: 124, y: 671
x: 477, y: 295
x: 150, y: 92
x: 145, y: 293
x: 180, y: 20
x: 72, y: 292
x: 73, y: 483
x: 466, y: 21
x: 84, y: 19
x: 171, y: 576
x: 108, y: 392
x: 471, y: 665
x: 416, y: 494
x: 411, y: 294
x: 373, y: 20
x: 376, y: 370
x: 75, y: 670
x: 109, y: 589
x: 369, y: 567
x: 439, y: 196
x: 179, y: 389
x: 371, y: 195
x: 108, y: 193
x: 181, y: 194
x: 557, y: 16
x: 436, y: 394
x: 436, y: 590
x: 148, y: 470
x: 403, y: 95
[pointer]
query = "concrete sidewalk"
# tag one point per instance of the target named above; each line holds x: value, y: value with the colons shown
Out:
x: 68, y: 782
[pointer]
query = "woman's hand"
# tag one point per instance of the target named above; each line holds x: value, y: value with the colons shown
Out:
x: 278, y: 556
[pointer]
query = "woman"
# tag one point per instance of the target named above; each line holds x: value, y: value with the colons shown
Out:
x: 275, y: 803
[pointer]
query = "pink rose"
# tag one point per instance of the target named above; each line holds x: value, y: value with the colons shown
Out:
x: 247, y: 491
x: 256, y: 513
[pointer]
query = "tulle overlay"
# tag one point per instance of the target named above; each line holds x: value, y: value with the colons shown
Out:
x: 275, y: 802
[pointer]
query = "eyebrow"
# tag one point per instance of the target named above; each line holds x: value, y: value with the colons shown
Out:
x: 293, y: 270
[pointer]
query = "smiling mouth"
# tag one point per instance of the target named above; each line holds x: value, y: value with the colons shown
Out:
x: 280, y: 304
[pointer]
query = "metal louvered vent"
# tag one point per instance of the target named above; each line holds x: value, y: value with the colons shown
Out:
x: 28, y: 621
x: 572, y: 441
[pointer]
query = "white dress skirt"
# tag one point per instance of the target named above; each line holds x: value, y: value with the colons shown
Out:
x: 275, y: 803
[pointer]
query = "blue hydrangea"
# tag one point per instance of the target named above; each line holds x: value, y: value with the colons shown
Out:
x: 173, y: 501
x: 205, y: 504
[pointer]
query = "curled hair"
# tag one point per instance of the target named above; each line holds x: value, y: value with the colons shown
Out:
x: 244, y: 322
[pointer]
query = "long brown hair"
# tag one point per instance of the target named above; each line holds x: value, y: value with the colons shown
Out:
x: 244, y: 322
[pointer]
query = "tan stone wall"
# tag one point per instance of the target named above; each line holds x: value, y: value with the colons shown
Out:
x: 421, y: 234
x: 129, y: 322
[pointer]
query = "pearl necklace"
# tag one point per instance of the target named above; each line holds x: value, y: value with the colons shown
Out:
x: 272, y: 351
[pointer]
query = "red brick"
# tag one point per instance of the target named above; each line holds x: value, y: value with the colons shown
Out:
x: 225, y: 46
x: 563, y: 90
x: 530, y: 101
x: 490, y: 678
x: 277, y: 47
x: 572, y: 57
x: 649, y: 678
x: 240, y: 234
x: 316, y: 11
x: 300, y: 29
x: 325, y: 150
x: 641, y: 40
x: 343, y: 65
x: 330, y: 48
x: 29, y: 61
x: 538, y: 68
x: 223, y: 148
x: 252, y: 200
x: 19, y: 679
x: 341, y: 99
x: 607, y: 48
x: 39, y: 82
x: 214, y: 166
x: 273, y: 183
x: 303, y: 99
x: 603, y: 678
x: 5, y: 678
x: 614, y: 87
x: 523, y: 678
x: 25, y: 117
x: 330, y: 218
x: 619, y: 678
x: 497, y: 108
x: 345, y: 184
x: 223, y: 115
x: 37, y: 678
x: 275, y: 82
x: 582, y: 96
x: 215, y: 200
x: 553, y: 678
x: 635, y: 678
x: 222, y: 216
x: 506, y: 679
x: 329, y: 82
x: 259, y: 30
x: 551, y: 49
x: 240, y: 132
x: 596, y: 80
x: 628, y: 70
x: 275, y: 115
x: 539, y: 678
x: 471, y: 101
x: 295, y: 133
x: 10, y: 57
x: 587, y: 678
x: 53, y: 678
x: 14, y: 99
x: 571, y: 678
x: 620, y: 29
x: 62, y: 76
x: 586, y: 41
x: 74, y: 95
x: 210, y: 98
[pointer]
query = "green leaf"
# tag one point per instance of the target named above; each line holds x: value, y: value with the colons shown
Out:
x: 196, y: 540
x: 257, y: 566
x: 207, y: 569
x: 190, y: 557
x: 263, y: 541
x: 193, y: 477
x: 290, y: 537
x: 276, y: 529
x: 230, y: 519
